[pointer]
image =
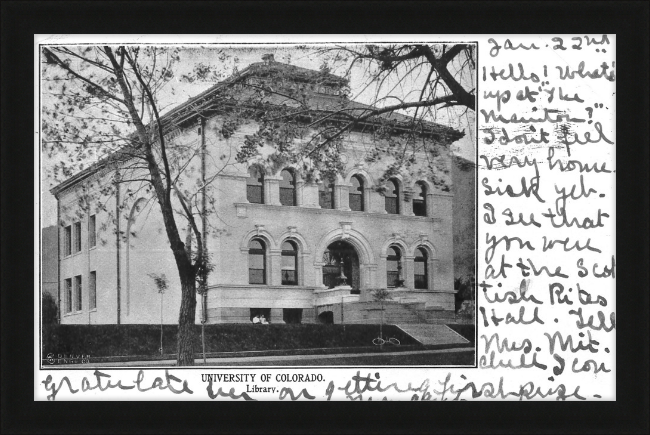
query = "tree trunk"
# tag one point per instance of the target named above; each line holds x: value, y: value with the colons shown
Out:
x: 186, y: 319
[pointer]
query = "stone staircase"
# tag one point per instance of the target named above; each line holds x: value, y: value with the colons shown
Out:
x: 433, y: 334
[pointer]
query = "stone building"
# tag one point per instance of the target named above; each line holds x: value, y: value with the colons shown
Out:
x: 291, y: 247
x: 463, y: 175
x: 49, y: 261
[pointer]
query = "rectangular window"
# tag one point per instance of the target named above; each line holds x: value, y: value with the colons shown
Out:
x: 77, y: 293
x: 289, y: 276
x: 292, y: 315
x: 392, y: 279
x: 92, y: 232
x: 77, y: 237
x: 420, y: 275
x: 419, y: 208
x: 259, y: 312
x: 67, y: 295
x: 67, y: 241
x: 356, y: 202
x: 256, y: 269
x: 420, y: 282
x: 92, y: 290
x: 392, y: 273
x: 287, y: 196
x: 391, y: 205
x: 255, y: 194
x: 326, y: 197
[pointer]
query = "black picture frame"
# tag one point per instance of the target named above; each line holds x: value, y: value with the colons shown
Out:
x: 21, y: 20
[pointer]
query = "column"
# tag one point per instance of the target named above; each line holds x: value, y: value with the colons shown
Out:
x: 272, y: 190
x: 408, y: 270
x: 342, y: 194
x: 435, y: 276
x: 432, y: 266
x: 318, y: 276
x: 310, y: 195
x: 406, y: 207
x: 300, y: 193
x: 363, y: 277
x: 367, y: 204
x: 276, y: 315
x: 275, y: 267
x: 430, y: 205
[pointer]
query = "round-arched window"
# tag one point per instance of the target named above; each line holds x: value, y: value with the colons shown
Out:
x: 420, y: 199
x: 421, y: 269
x: 256, y: 262
x: 326, y: 194
x: 393, y: 267
x: 255, y: 186
x: 289, y: 263
x: 392, y: 197
x: 288, y: 188
x: 356, y: 193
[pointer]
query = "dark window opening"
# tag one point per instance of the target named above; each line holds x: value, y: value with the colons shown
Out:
x: 289, y: 263
x: 255, y: 186
x: 356, y: 194
x: 256, y: 262
x: 288, y: 188
x: 259, y: 312
x: 68, y: 295
x: 92, y: 290
x: 77, y: 293
x: 92, y: 232
x: 77, y: 237
x: 67, y: 241
x: 392, y: 197
x: 292, y: 315
x: 393, y: 267
x: 326, y: 317
x: 326, y: 195
x: 420, y: 200
x: 421, y: 272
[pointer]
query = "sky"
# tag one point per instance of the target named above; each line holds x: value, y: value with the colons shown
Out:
x: 225, y: 58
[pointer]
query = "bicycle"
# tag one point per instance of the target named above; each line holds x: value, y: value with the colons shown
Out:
x: 380, y: 341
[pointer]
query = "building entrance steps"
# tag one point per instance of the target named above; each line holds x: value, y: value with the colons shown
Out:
x: 433, y: 334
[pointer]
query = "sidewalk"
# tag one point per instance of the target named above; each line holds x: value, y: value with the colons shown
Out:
x: 257, y: 359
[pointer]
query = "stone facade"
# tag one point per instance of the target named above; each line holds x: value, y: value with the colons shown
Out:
x: 463, y: 174
x: 105, y: 264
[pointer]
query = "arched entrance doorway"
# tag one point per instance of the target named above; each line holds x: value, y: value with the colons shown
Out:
x: 341, y: 265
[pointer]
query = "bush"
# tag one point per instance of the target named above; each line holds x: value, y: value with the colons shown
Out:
x: 131, y: 340
x: 49, y: 310
x: 466, y: 287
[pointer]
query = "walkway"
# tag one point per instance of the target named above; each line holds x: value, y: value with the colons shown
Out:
x: 433, y: 334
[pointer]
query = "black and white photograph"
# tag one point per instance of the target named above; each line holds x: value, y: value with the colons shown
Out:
x: 257, y: 203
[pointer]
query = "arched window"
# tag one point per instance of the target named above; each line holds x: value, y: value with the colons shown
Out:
x: 256, y: 262
x: 326, y: 194
x: 356, y: 194
x: 288, y: 188
x: 421, y: 272
x: 255, y: 186
x: 393, y: 267
x: 392, y: 197
x: 420, y: 199
x: 289, y: 263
